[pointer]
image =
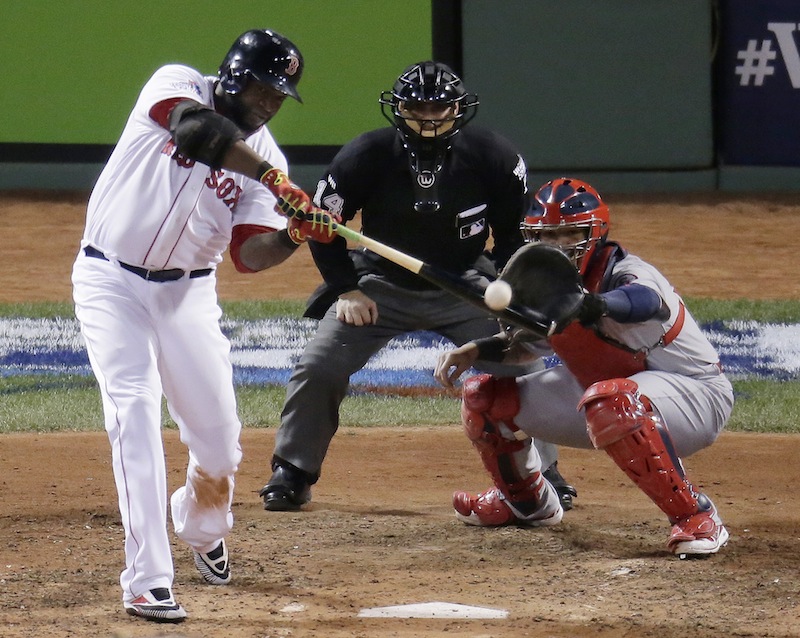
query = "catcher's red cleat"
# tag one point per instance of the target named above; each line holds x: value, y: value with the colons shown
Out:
x: 490, y: 509
x: 698, y: 535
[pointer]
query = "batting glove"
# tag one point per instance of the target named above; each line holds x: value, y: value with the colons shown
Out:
x: 317, y: 224
x: 292, y: 200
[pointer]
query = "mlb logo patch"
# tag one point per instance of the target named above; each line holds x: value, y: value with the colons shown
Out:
x: 468, y: 222
x: 472, y: 229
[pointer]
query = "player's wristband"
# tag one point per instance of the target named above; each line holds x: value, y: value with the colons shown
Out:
x: 285, y: 240
x: 491, y: 348
x: 263, y: 169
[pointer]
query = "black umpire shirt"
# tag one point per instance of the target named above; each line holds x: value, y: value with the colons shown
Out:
x: 481, y: 187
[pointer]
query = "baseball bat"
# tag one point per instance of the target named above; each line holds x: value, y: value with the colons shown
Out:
x: 470, y: 292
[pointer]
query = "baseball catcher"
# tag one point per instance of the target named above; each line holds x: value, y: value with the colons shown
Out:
x: 636, y: 378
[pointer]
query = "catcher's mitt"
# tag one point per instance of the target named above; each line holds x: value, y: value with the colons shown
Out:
x: 544, y: 279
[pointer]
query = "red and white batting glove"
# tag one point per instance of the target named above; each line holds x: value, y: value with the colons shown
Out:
x: 317, y: 224
x: 292, y: 200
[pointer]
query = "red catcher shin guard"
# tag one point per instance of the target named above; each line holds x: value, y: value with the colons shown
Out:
x: 619, y: 422
x: 488, y: 404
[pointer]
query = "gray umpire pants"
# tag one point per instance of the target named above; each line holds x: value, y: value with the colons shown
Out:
x: 320, y: 380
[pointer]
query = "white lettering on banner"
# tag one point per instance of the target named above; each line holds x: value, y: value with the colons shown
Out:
x: 784, y: 32
x: 758, y: 62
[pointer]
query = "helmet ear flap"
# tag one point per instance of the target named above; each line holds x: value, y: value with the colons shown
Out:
x: 231, y: 83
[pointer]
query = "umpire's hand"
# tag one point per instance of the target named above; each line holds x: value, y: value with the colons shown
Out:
x: 356, y: 308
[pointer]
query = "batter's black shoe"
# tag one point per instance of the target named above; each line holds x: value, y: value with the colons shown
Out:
x: 564, y: 490
x: 287, y: 490
x: 214, y: 566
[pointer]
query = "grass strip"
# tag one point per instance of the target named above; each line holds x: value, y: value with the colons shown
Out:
x: 72, y: 403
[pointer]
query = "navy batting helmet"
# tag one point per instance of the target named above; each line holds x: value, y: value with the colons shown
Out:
x: 264, y: 56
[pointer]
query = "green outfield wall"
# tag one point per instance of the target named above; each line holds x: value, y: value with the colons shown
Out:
x: 592, y: 86
x: 618, y: 92
x: 72, y: 69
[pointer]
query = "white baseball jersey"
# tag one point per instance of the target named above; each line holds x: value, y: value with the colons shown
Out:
x: 155, y: 208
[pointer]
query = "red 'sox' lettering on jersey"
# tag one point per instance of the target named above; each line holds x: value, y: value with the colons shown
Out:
x: 171, y: 150
x: 226, y: 189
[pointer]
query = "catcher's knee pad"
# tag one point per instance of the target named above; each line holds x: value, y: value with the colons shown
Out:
x: 613, y: 410
x: 620, y: 421
x: 488, y: 409
x: 487, y: 398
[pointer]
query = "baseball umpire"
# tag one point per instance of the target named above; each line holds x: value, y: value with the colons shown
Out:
x: 637, y: 379
x: 183, y: 182
x: 434, y: 188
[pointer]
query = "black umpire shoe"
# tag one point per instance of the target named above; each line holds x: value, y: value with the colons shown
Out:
x: 565, y: 491
x: 287, y: 490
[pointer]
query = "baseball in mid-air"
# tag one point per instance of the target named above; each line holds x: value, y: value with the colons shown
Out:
x: 497, y: 295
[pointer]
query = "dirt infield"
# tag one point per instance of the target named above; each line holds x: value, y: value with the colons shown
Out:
x: 380, y: 530
x: 708, y: 246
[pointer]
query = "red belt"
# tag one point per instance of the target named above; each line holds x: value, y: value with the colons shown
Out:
x: 673, y: 332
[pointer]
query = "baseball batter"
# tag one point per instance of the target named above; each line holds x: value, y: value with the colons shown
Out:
x: 637, y: 379
x: 431, y: 186
x: 181, y: 184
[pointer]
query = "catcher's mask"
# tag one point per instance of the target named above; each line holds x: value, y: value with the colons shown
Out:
x: 265, y: 56
x: 428, y: 105
x: 570, y: 214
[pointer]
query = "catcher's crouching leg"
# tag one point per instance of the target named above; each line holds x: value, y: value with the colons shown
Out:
x: 521, y: 494
x: 620, y: 422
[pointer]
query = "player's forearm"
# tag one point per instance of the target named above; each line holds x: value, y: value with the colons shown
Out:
x: 266, y: 250
x: 242, y: 159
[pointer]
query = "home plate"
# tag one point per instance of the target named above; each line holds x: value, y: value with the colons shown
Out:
x: 433, y: 610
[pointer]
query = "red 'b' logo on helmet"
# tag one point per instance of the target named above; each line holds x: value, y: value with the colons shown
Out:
x: 294, y: 64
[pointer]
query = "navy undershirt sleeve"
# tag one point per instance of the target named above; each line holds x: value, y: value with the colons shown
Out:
x: 632, y: 303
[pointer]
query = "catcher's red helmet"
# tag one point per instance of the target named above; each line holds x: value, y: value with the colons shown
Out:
x: 563, y: 205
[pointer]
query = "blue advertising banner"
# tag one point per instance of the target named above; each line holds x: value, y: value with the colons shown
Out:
x: 265, y: 351
x: 758, y: 83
